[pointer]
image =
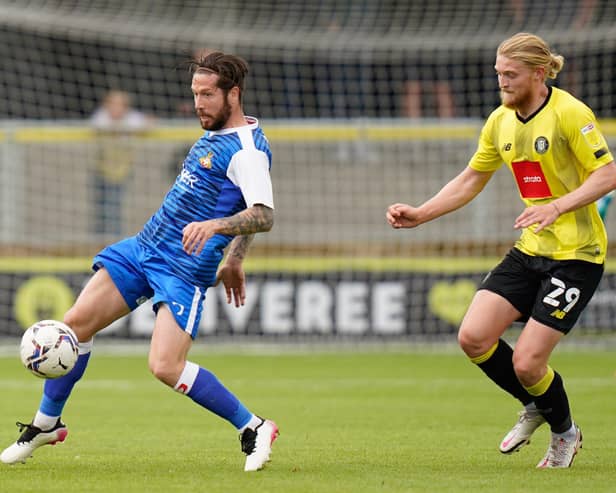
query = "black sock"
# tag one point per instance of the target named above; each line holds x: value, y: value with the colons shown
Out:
x: 499, y: 368
x: 554, y: 406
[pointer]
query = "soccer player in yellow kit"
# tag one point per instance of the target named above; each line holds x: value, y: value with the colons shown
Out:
x: 561, y: 164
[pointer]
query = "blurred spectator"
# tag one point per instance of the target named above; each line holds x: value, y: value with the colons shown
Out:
x: 440, y: 98
x: 115, y: 122
x: 427, y: 90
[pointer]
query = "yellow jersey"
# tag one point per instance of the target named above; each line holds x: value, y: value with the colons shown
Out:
x: 550, y: 153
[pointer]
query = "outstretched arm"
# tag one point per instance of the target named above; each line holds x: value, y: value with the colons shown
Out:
x: 455, y: 194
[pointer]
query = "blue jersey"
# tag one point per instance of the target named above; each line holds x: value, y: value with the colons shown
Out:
x: 225, y: 172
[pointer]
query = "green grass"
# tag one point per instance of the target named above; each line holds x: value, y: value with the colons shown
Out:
x: 350, y: 422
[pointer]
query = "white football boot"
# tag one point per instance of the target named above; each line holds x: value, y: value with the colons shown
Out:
x: 257, y: 444
x: 31, y: 439
x: 528, y: 422
x: 561, y: 452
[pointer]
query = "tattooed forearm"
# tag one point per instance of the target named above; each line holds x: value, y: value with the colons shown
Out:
x: 239, y: 247
x: 255, y: 219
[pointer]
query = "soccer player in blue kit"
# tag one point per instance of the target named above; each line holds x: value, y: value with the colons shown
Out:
x: 221, y: 198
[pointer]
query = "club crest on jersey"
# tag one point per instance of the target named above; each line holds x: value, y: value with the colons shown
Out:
x: 541, y: 145
x: 206, y: 161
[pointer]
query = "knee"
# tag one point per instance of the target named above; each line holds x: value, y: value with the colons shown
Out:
x: 472, y: 345
x: 166, y: 370
x: 526, y: 369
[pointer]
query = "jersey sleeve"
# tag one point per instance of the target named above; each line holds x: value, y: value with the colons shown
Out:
x: 585, y: 138
x: 487, y: 157
x: 249, y: 170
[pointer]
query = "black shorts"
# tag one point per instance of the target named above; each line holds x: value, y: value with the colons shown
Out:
x: 553, y: 292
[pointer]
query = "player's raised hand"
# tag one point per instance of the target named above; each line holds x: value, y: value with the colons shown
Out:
x: 402, y: 216
x: 195, y: 235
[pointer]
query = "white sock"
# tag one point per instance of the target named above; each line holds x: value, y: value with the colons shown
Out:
x: 43, y: 421
x: 570, y: 434
x: 532, y: 407
x: 86, y: 347
x: 187, y: 378
x: 252, y: 423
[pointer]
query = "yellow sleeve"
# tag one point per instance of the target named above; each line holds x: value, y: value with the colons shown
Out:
x: 585, y: 138
x: 487, y: 157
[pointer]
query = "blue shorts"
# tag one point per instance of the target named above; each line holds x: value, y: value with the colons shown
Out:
x: 139, y: 274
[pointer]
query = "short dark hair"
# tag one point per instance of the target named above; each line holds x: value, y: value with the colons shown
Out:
x: 231, y: 69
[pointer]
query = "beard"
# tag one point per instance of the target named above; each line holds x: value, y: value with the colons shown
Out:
x: 513, y: 101
x: 507, y: 99
x: 219, y: 120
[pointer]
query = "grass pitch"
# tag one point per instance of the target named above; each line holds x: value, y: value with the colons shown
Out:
x: 350, y: 422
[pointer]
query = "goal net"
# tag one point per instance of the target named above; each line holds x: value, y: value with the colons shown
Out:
x: 365, y: 103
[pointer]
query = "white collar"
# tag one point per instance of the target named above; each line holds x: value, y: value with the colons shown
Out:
x: 251, y: 123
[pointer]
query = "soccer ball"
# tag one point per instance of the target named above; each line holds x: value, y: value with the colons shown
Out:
x: 49, y: 349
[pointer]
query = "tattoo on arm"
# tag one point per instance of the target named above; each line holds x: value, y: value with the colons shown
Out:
x: 239, y: 246
x: 255, y: 219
